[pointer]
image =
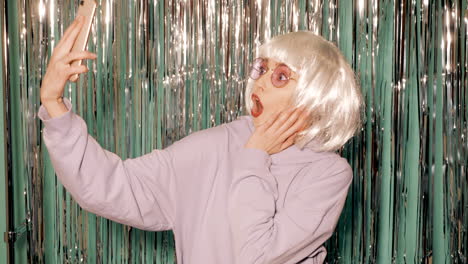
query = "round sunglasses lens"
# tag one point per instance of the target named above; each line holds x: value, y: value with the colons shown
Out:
x: 254, y: 74
x: 280, y: 76
x: 257, y: 69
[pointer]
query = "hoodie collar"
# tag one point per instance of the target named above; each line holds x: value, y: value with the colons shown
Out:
x: 292, y: 154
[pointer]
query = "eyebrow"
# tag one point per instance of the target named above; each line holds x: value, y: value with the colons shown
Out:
x: 276, y: 63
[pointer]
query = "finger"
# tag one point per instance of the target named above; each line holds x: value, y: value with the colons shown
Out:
x: 297, y: 127
x: 58, y: 51
x: 289, y: 141
x: 70, y: 39
x: 65, y: 44
x: 280, y: 118
x: 270, y: 120
x: 286, y: 120
x: 72, y: 70
x: 75, y: 72
x: 73, y: 78
x: 71, y: 27
x: 78, y: 55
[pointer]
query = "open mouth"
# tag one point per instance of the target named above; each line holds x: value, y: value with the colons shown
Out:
x: 257, y: 107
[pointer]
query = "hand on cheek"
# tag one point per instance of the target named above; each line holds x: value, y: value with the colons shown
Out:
x: 279, y: 131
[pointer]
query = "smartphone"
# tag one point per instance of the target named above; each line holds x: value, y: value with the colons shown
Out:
x: 86, y: 9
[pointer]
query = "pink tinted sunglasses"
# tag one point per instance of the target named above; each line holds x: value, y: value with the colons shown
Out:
x: 281, y: 74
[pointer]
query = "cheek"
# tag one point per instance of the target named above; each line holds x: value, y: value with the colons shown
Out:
x: 281, y: 98
x: 279, y: 102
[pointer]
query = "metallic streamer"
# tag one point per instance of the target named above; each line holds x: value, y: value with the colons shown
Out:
x: 168, y: 68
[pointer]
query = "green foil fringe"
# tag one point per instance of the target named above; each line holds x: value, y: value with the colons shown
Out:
x: 168, y: 68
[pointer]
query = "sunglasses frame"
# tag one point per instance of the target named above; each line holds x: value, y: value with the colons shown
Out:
x: 268, y: 69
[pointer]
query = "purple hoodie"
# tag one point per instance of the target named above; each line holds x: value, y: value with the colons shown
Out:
x: 225, y: 203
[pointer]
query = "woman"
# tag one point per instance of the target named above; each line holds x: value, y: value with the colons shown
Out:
x: 265, y: 188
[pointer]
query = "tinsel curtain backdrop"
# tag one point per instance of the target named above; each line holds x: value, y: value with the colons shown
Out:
x: 168, y: 68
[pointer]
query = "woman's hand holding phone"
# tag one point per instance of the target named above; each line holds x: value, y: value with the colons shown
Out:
x: 60, y: 69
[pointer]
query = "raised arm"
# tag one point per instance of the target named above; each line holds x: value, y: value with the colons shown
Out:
x: 261, y: 234
x: 137, y: 192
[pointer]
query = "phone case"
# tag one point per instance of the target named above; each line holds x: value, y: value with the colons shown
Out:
x: 86, y: 9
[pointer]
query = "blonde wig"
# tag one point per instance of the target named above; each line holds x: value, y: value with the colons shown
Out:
x: 327, y: 86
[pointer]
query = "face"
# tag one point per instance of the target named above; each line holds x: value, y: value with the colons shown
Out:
x: 274, y: 85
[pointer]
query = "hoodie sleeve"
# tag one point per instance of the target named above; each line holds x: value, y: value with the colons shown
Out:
x: 138, y: 192
x: 261, y: 234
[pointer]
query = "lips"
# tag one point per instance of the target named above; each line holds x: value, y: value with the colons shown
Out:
x: 257, y: 108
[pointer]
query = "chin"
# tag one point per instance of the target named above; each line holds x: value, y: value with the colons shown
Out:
x: 259, y: 120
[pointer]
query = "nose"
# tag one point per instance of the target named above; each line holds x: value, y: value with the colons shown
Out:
x: 259, y: 88
x: 261, y: 83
